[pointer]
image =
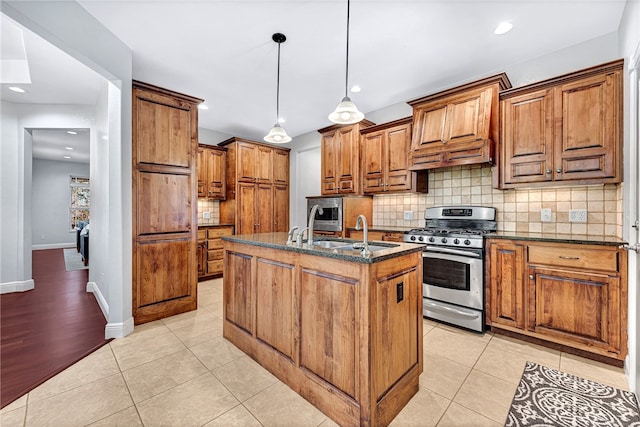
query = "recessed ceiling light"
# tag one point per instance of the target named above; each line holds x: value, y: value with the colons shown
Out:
x: 72, y: 132
x: 203, y: 107
x: 355, y: 88
x: 68, y: 148
x: 67, y: 157
x: 503, y: 27
x: 17, y: 89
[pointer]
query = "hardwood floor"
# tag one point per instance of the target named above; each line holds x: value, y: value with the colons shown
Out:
x: 45, y: 330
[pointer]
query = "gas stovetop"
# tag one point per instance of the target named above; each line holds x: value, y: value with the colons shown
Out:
x: 457, y: 226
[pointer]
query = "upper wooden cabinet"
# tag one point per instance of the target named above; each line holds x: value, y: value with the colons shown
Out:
x: 564, y: 130
x: 257, y: 187
x: 569, y: 294
x: 164, y: 176
x: 384, y: 150
x: 340, y: 163
x: 458, y: 126
x: 212, y: 163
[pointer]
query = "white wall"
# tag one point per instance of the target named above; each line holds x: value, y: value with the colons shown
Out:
x: 71, y: 28
x: 211, y: 137
x: 51, y: 197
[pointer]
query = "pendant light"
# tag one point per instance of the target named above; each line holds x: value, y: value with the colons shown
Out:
x: 277, y: 134
x: 346, y: 112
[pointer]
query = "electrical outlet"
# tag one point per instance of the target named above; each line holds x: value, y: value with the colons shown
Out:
x: 206, y: 215
x: 577, y: 215
x: 408, y: 215
x: 545, y: 215
x: 42, y: 237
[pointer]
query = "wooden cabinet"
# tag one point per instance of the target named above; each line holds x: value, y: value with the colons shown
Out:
x: 212, y: 163
x: 574, y: 295
x: 164, y: 151
x: 385, y: 159
x: 385, y: 236
x: 564, y: 130
x: 209, y: 250
x: 340, y: 162
x: 459, y: 126
x: 257, y: 187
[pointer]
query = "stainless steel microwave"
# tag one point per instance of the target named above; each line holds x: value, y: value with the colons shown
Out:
x: 331, y: 217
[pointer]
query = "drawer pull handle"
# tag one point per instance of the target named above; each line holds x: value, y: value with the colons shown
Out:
x: 569, y: 257
x: 531, y: 276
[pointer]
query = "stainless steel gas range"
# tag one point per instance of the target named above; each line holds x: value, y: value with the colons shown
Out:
x: 453, y: 263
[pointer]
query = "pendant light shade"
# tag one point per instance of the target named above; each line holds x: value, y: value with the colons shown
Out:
x: 346, y: 112
x: 277, y: 134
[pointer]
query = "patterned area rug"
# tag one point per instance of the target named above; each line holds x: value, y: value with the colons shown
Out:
x: 73, y: 260
x: 547, y: 397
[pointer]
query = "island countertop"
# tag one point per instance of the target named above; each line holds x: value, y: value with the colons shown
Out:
x: 279, y: 241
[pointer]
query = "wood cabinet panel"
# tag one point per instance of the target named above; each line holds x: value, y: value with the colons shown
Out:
x: 238, y: 301
x: 264, y: 208
x: 247, y: 161
x: 280, y: 167
x: 280, y: 208
x: 328, y: 328
x: 216, y: 181
x: 372, y: 159
x: 275, y: 305
x: 574, y: 257
x: 247, y: 195
x: 209, y: 237
x: 168, y: 207
x: 507, y: 303
x: 567, y: 129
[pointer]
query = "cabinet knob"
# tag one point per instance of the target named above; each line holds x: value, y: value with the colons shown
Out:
x: 558, y: 170
x: 444, y: 141
x: 531, y: 276
x: 548, y: 171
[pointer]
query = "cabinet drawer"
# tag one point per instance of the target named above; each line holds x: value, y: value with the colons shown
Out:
x: 217, y: 254
x: 590, y: 259
x: 202, y: 234
x: 213, y: 233
x: 214, y: 267
x: 214, y: 244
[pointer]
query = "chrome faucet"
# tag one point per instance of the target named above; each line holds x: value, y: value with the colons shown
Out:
x: 365, y: 244
x: 312, y: 217
x: 292, y: 233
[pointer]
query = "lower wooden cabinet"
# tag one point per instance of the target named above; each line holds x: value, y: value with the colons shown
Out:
x: 569, y: 294
x: 209, y: 251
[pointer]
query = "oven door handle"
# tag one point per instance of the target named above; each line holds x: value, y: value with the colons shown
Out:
x: 450, y: 311
x: 451, y: 251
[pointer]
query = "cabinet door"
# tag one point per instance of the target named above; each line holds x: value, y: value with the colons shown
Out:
x: 264, y: 208
x: 430, y: 122
x: 527, y: 137
x: 216, y: 165
x: 580, y: 307
x: 238, y: 295
x: 280, y: 167
x: 328, y: 163
x: 201, y: 258
x: 280, y: 208
x: 398, y: 142
x: 247, y: 155
x: 588, y: 122
x: 202, y: 173
x: 506, y: 284
x: 348, y: 160
x: 246, y: 220
x: 264, y: 164
x: 467, y: 117
x: 373, y: 155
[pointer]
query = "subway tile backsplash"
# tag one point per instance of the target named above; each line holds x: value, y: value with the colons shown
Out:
x: 517, y: 209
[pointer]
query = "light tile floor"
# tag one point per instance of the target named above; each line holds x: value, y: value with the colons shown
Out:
x: 179, y: 371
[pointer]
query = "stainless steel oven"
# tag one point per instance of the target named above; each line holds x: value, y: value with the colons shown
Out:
x: 331, y: 217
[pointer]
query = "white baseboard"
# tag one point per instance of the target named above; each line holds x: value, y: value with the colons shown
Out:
x: 24, y: 285
x: 102, y: 302
x: 52, y: 246
x: 119, y: 330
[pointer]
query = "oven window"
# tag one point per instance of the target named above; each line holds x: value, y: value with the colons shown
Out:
x: 446, y: 273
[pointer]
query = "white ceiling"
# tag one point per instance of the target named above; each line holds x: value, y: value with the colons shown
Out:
x: 221, y: 51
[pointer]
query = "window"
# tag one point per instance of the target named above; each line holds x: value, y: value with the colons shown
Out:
x: 80, y: 197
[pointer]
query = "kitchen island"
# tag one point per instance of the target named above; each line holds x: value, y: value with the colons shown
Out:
x: 342, y: 330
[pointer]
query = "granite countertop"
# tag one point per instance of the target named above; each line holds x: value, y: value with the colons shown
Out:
x: 278, y: 241
x: 560, y: 238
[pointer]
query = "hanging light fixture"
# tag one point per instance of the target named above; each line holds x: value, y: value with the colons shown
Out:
x: 277, y: 134
x: 346, y: 112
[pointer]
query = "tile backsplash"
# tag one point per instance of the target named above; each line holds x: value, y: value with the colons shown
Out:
x: 517, y: 209
x: 211, y: 206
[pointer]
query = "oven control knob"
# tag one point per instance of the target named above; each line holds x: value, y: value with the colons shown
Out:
x: 467, y: 242
x: 413, y: 237
x: 456, y: 241
x: 432, y: 239
x: 444, y: 240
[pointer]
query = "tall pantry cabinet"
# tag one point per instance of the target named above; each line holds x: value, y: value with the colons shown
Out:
x: 165, y: 143
x: 257, y: 187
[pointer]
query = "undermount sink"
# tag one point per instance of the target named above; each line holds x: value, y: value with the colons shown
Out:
x: 351, y: 246
x: 329, y: 244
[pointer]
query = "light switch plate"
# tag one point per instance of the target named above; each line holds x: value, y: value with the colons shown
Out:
x: 577, y: 215
x: 545, y: 215
x: 206, y: 215
x: 408, y: 215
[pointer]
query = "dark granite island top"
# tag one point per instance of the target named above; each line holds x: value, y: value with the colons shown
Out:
x: 559, y: 238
